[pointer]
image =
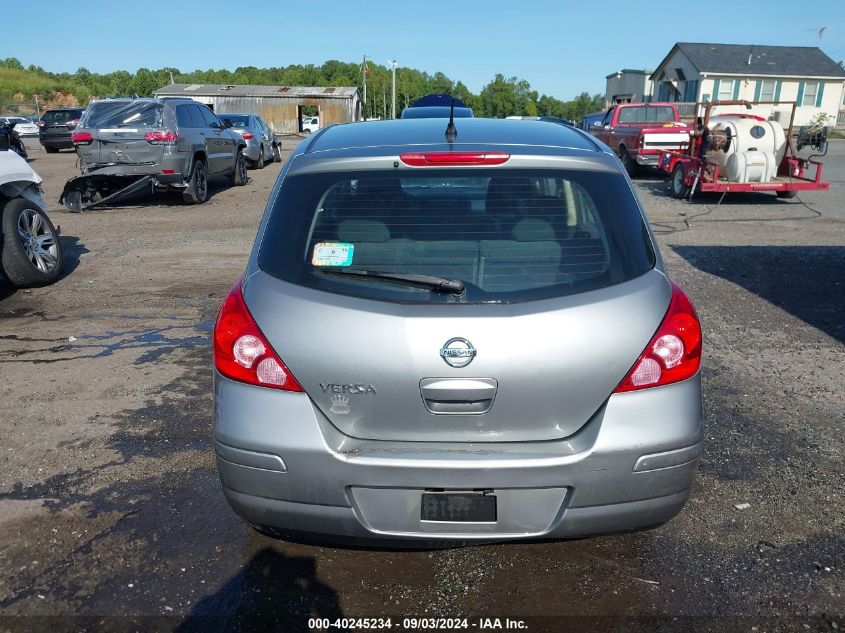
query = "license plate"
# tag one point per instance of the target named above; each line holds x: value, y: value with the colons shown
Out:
x: 459, y: 507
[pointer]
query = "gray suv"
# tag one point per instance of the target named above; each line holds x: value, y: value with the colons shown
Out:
x: 127, y: 145
x: 455, y: 341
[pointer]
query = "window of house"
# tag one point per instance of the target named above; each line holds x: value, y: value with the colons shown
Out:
x: 767, y: 90
x: 726, y: 89
x: 691, y: 90
x: 811, y: 90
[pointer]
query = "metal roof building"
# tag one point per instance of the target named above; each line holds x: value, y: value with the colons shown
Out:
x: 281, y: 106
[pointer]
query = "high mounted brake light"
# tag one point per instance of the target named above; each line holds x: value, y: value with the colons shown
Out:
x: 453, y: 159
x: 674, y: 352
x: 241, y: 352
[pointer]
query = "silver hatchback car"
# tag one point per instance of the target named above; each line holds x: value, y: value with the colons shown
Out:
x: 455, y: 341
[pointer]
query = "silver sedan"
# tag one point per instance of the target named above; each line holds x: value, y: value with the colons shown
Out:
x: 261, y: 144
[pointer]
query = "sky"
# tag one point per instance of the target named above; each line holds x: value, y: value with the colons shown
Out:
x: 561, y: 48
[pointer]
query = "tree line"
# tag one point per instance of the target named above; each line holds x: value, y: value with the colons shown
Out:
x: 499, y: 98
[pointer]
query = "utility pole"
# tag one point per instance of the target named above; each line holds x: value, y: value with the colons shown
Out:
x: 393, y: 98
x: 364, y: 73
x: 37, y: 107
x: 170, y: 72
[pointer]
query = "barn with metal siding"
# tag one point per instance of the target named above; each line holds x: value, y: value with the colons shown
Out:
x: 281, y: 106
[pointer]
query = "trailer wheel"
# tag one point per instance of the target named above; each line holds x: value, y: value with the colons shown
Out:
x: 32, y: 252
x: 197, y: 190
x: 679, y: 188
x: 786, y: 194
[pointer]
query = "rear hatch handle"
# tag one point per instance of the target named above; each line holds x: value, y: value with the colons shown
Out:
x: 458, y: 396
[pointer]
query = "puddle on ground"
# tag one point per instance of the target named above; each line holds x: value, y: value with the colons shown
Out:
x: 155, y: 343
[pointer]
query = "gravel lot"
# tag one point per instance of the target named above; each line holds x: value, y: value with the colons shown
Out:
x: 111, y: 512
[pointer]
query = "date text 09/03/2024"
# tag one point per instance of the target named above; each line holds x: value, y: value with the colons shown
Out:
x: 415, y: 624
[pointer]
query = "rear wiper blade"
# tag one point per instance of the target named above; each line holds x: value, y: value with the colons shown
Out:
x: 438, y: 284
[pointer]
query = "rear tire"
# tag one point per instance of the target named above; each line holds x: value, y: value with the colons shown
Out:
x: 32, y: 252
x: 679, y: 188
x: 50, y: 150
x: 259, y: 164
x: 197, y: 191
x: 786, y: 195
x: 277, y: 154
x: 239, y: 175
x: 630, y: 166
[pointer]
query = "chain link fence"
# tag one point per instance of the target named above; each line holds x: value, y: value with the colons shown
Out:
x: 16, y: 108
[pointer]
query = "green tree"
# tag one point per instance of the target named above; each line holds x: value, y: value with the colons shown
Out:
x: 12, y: 63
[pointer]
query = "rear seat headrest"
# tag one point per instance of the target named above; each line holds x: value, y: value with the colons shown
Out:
x: 363, y: 231
x: 533, y: 230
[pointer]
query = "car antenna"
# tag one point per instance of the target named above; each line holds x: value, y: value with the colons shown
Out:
x: 451, y: 130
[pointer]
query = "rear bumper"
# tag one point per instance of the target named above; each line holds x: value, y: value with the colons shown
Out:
x: 282, y: 464
x: 59, y: 141
x: 252, y: 149
x: 648, y: 157
x: 129, y: 170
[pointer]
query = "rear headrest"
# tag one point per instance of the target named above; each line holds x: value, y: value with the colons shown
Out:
x: 509, y: 191
x: 363, y: 231
x: 533, y: 230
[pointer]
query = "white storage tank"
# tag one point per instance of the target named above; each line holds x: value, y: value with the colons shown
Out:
x: 755, y: 151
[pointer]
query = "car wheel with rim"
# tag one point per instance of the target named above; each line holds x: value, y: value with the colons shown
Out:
x: 259, y: 164
x: 32, y: 252
x: 277, y: 154
x: 679, y: 188
x: 239, y: 175
x: 197, y: 191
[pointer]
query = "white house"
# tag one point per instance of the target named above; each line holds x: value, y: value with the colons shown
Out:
x: 628, y: 85
x: 706, y: 72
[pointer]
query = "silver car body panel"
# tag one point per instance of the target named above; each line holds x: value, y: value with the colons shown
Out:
x: 555, y: 360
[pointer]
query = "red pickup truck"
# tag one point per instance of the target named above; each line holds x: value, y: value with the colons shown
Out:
x: 638, y: 132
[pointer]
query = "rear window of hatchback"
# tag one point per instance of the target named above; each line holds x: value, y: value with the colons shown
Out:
x: 509, y: 236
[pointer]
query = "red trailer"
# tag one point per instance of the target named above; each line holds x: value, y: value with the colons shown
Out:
x: 743, y: 152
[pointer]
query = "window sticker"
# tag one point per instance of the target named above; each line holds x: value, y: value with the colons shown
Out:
x: 332, y: 254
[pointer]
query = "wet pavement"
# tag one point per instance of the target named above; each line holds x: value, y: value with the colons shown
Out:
x: 112, y: 518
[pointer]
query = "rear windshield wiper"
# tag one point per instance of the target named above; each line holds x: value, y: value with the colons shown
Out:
x: 432, y: 282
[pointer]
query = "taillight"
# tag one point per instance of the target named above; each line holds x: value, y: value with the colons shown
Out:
x: 82, y: 138
x: 450, y: 159
x: 247, y: 136
x: 41, y: 123
x: 674, y: 352
x: 159, y: 137
x: 240, y: 350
